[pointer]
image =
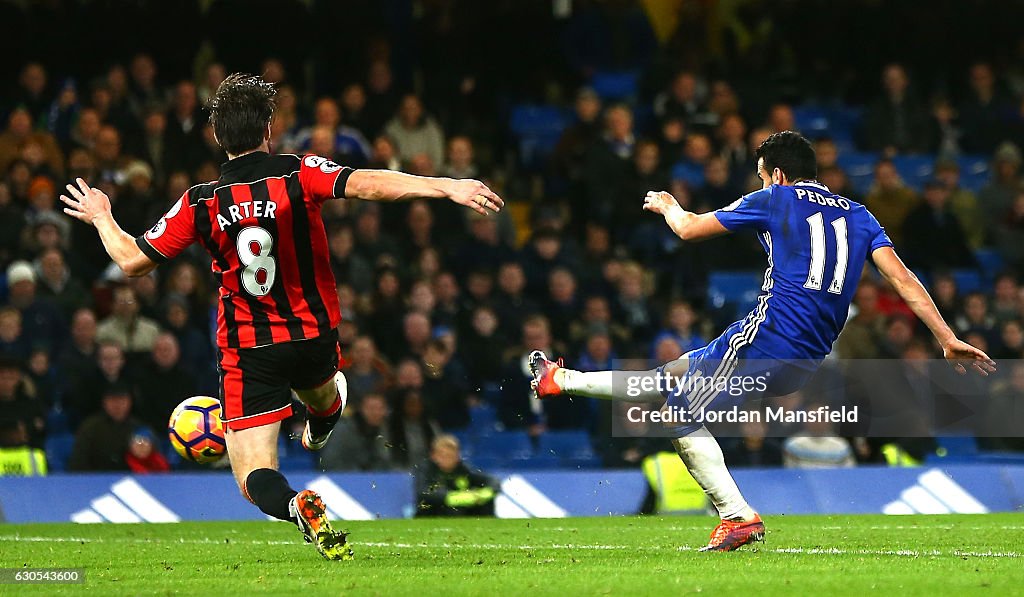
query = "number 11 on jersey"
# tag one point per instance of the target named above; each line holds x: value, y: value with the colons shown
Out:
x: 816, y: 272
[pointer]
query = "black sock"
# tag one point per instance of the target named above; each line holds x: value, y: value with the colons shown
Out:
x: 269, y: 490
x: 319, y: 423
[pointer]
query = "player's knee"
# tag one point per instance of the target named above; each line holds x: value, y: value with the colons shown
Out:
x: 323, y: 396
x: 699, y: 445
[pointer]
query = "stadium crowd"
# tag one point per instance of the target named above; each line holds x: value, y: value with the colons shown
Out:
x: 442, y: 306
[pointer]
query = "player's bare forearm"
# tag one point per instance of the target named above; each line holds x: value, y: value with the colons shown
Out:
x: 914, y: 294
x: 122, y: 248
x: 680, y: 222
x: 385, y: 185
x: 959, y: 353
x: 686, y: 225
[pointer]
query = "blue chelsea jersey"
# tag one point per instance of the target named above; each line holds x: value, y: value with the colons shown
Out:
x: 817, y: 243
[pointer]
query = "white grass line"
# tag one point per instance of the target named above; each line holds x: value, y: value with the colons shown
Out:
x: 17, y: 538
x: 948, y: 527
x: 912, y: 553
x: 894, y: 527
x: 520, y: 547
x: 814, y: 551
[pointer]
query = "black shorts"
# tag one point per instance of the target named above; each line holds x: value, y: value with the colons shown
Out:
x: 256, y: 383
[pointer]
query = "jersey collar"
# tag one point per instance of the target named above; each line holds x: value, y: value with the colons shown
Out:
x: 243, y: 161
x: 813, y: 183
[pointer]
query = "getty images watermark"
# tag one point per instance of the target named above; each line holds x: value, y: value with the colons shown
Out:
x: 735, y: 414
x: 684, y: 391
x: 880, y: 398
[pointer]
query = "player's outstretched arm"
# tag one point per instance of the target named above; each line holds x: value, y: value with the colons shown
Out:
x: 958, y: 353
x: 385, y: 185
x: 685, y: 224
x: 92, y: 206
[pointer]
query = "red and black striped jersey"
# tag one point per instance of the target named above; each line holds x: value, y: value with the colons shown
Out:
x: 261, y: 224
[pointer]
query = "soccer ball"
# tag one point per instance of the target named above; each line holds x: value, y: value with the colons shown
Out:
x: 196, y: 430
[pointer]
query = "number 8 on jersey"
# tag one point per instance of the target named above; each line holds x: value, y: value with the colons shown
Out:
x: 254, y: 245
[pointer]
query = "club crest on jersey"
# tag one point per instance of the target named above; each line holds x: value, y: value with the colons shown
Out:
x: 157, y: 229
x: 161, y: 226
x: 326, y: 166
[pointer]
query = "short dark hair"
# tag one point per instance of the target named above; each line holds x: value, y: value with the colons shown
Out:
x: 240, y: 112
x: 790, y: 152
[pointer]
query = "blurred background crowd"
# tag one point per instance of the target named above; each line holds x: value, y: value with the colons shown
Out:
x: 572, y: 110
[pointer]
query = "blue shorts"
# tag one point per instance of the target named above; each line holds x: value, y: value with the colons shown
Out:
x: 728, y: 373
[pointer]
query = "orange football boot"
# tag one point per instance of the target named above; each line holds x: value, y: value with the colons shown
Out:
x: 544, y: 374
x: 311, y: 516
x: 732, y: 534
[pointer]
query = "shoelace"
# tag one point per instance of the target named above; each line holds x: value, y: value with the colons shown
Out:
x: 722, y: 531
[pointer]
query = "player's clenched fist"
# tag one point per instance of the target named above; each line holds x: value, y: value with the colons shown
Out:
x: 659, y: 202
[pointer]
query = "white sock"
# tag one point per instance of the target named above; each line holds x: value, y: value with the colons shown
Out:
x: 596, y: 384
x: 609, y: 385
x: 703, y: 457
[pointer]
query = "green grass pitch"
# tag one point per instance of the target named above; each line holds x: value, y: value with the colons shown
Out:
x: 913, y: 555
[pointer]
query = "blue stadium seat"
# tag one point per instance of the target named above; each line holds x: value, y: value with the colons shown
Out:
x: 292, y: 456
x: 173, y: 458
x: 812, y: 121
x: 615, y: 85
x: 566, y: 444
x: 592, y: 461
x: 505, y: 444
x: 490, y: 393
x: 530, y: 120
x: 968, y: 280
x: 845, y: 145
x: 958, y: 445
x: 536, y: 462
x: 643, y: 117
x: 915, y: 170
x: 486, y: 463
x: 297, y: 461
x: 859, y: 168
x: 738, y: 289
x: 955, y: 449
x: 1005, y: 458
x: 535, y: 149
x: 990, y: 261
x: 483, y: 418
x: 467, y: 442
x: 691, y: 174
x: 57, y: 421
x: 974, y: 171
x: 838, y: 123
x: 843, y: 123
x: 58, y: 451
